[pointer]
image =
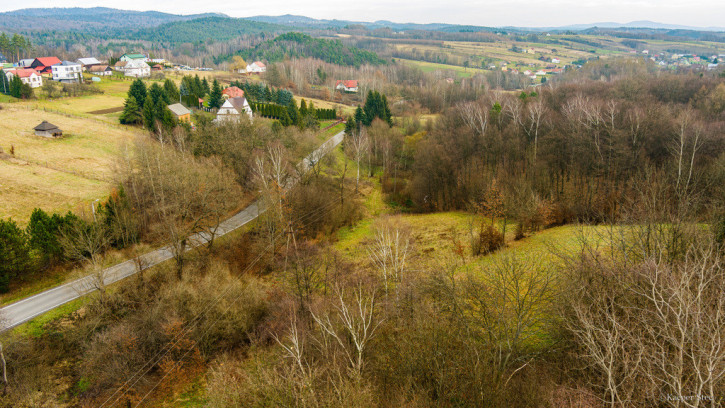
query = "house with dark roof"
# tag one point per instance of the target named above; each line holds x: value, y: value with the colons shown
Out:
x: 100, y: 70
x: 233, y: 108
x: 47, y: 129
x: 43, y: 64
x: 346, y: 85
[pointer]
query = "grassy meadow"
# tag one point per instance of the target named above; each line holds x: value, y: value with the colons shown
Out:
x: 56, y: 175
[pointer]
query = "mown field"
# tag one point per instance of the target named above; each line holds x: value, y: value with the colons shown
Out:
x: 56, y: 175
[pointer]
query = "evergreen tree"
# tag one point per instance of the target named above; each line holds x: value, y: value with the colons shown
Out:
x: 131, y: 114
x: 157, y: 93
x: 359, y: 117
x: 14, y: 253
x: 4, y: 83
x: 350, y: 126
x: 293, y: 113
x: 303, y: 108
x: 205, y: 87
x: 215, y: 97
x: 149, y: 117
x: 138, y: 91
x: 164, y: 116
x: 16, y: 86
x: 172, y: 92
x: 198, y: 88
x: 43, y: 231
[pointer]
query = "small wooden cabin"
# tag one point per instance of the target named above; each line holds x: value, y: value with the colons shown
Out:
x: 47, y: 129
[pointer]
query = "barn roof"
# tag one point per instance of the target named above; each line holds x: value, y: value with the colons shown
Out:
x: 45, y: 126
x: 179, y: 109
x: 88, y: 61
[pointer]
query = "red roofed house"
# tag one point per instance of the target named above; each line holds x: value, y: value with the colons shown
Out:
x: 42, y: 65
x: 27, y: 76
x: 347, y: 86
x: 233, y: 92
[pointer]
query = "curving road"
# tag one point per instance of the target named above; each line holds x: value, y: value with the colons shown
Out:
x: 33, y: 306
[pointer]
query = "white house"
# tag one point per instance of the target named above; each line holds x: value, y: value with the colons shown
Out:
x: 133, y: 57
x: 137, y: 69
x: 347, y: 86
x: 233, y: 108
x: 555, y: 60
x: 67, y: 71
x: 27, y: 76
x: 257, y: 67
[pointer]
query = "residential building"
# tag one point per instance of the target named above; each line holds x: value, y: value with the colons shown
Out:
x: 119, y: 66
x: 67, y: 71
x: 133, y: 57
x: 555, y: 60
x: 43, y: 64
x: 100, y: 70
x: 27, y: 76
x: 233, y: 108
x: 25, y: 63
x: 257, y: 67
x: 232, y: 92
x: 347, y: 85
x: 137, y: 69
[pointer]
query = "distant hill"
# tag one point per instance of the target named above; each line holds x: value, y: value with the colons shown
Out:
x: 95, y: 18
x: 201, y: 29
x: 302, y: 45
x: 302, y: 21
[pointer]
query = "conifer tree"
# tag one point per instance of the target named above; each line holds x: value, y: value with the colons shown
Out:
x: 131, y: 114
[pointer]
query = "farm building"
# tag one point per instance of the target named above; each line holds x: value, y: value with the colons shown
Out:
x: 180, y: 112
x: 27, y: 76
x: 86, y: 63
x: 232, y: 92
x: 47, y: 129
x: 67, y: 72
x: 120, y: 65
x: 100, y: 70
x: 347, y: 86
x: 233, y: 108
x: 43, y: 65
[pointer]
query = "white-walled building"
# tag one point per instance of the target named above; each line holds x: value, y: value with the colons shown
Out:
x: 137, y: 69
x: 27, y: 76
x: 233, y: 109
x: 67, y: 71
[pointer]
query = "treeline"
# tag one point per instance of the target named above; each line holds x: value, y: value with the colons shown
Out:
x: 573, y: 150
x: 276, y: 111
x: 261, y: 93
x: 55, y: 240
x: 298, y: 45
x: 198, y: 30
x: 150, y: 106
x: 14, y: 47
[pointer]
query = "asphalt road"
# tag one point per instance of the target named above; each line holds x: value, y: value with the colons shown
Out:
x: 33, y: 306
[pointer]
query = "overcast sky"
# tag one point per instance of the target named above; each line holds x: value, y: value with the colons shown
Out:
x: 541, y: 13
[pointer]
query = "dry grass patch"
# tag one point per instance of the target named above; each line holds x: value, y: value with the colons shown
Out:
x: 56, y: 174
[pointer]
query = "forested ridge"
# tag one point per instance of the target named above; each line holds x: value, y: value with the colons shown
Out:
x: 298, y: 45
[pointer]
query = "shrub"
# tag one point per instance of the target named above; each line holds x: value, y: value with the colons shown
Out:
x: 489, y: 240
